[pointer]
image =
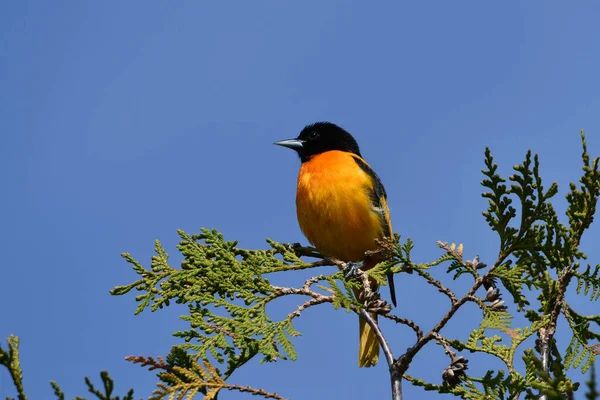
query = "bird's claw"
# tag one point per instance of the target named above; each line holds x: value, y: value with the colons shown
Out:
x: 291, y: 246
x: 351, y: 269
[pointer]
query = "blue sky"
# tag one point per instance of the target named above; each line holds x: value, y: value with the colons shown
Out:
x: 124, y: 121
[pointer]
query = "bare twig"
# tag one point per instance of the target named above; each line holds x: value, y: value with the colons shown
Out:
x: 150, y: 362
x: 307, y: 304
x: 403, y: 362
x: 441, y: 340
x: 477, y: 300
x: 449, y: 293
x: 384, y: 344
x: 396, y: 380
x: 407, y: 322
x: 254, y: 391
x: 285, y: 291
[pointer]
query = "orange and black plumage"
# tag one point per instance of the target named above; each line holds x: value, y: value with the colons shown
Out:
x: 341, y: 206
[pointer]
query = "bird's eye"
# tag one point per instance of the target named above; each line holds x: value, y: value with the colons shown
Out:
x: 313, y: 135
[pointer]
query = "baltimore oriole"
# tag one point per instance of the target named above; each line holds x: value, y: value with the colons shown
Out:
x: 341, y: 206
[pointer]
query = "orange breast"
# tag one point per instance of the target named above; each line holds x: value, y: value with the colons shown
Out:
x: 334, y: 207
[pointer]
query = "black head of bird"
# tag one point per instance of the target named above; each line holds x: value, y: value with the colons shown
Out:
x: 321, y: 137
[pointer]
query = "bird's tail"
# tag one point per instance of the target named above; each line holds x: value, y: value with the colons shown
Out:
x: 368, y: 345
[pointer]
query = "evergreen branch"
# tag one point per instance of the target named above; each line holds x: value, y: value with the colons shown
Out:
x: 470, y: 392
x: 104, y: 394
x: 592, y: 393
x: 326, y: 262
x: 108, y: 386
x: 227, y: 293
x: 418, y: 382
x: 179, y: 382
x: 588, y: 280
x: 500, y: 212
x: 459, y: 266
x: 402, y: 363
x: 216, y: 275
x: 215, y: 272
x: 581, y: 210
x: 10, y: 359
x: 579, y: 349
x: 57, y: 390
x: 150, y: 362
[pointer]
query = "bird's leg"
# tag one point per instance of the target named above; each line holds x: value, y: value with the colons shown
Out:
x: 352, y: 268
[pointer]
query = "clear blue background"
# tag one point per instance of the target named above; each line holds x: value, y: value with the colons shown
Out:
x: 121, y: 122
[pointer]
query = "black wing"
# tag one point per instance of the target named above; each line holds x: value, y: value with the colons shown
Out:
x: 379, y: 200
x: 378, y: 195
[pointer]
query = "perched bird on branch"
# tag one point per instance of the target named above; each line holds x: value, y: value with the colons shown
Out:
x: 342, y: 208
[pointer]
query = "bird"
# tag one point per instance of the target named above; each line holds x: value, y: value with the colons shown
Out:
x: 342, y: 208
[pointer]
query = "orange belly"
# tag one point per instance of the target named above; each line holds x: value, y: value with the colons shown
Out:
x: 334, y: 208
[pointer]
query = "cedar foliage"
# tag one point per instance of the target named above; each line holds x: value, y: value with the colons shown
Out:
x: 226, y: 290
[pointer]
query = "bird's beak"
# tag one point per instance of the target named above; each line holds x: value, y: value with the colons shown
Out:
x: 294, y: 144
